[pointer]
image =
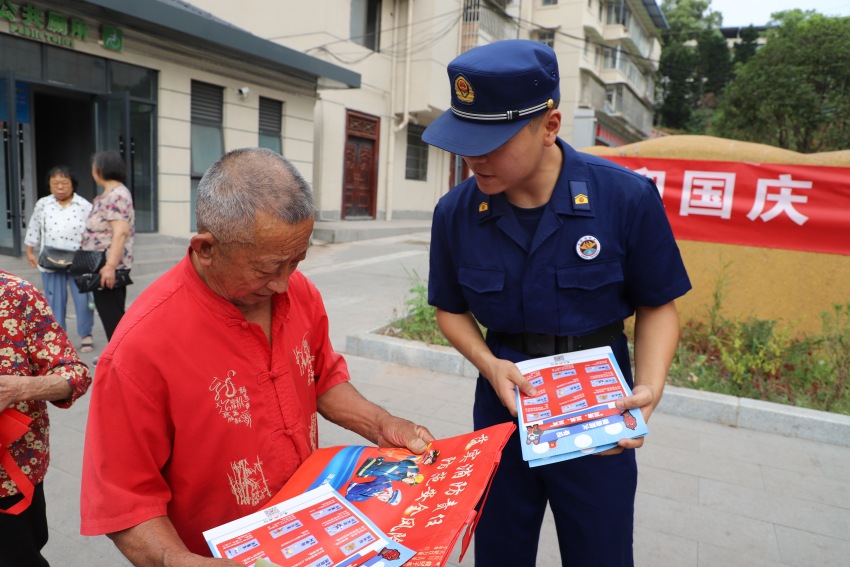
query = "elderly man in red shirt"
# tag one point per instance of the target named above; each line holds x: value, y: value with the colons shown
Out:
x: 207, y: 398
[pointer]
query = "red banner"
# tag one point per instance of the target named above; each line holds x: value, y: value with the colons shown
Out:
x: 795, y: 207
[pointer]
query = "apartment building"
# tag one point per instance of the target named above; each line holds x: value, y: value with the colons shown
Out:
x: 369, y: 157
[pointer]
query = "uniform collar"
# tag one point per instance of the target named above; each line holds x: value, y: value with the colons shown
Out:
x: 573, y: 194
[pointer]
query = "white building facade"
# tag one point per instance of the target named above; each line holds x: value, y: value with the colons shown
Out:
x: 369, y: 160
x: 167, y: 85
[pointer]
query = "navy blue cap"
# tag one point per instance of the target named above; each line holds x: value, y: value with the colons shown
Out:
x: 496, y: 89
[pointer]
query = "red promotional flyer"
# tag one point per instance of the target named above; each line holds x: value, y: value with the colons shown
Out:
x: 423, y: 502
x: 574, y: 412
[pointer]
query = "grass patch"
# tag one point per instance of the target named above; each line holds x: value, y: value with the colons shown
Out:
x: 418, y: 322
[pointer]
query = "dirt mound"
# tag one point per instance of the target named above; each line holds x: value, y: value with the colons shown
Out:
x: 719, y: 149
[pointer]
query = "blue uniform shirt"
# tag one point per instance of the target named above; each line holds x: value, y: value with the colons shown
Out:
x: 481, y: 260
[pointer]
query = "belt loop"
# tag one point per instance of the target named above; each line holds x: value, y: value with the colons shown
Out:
x: 570, y: 344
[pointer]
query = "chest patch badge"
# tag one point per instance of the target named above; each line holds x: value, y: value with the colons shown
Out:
x: 588, y: 247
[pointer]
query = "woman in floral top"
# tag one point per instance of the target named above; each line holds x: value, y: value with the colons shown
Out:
x: 37, y: 364
x: 110, y: 227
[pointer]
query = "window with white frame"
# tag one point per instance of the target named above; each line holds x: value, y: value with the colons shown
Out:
x: 416, y: 165
x: 366, y: 23
x: 545, y: 36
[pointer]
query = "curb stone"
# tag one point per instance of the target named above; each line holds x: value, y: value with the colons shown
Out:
x: 756, y: 415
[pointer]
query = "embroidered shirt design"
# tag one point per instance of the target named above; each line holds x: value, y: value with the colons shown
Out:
x: 232, y: 402
x: 248, y: 483
x: 314, y: 431
x: 305, y: 360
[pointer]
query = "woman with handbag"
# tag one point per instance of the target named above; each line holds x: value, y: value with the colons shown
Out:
x: 110, y: 228
x: 56, y: 230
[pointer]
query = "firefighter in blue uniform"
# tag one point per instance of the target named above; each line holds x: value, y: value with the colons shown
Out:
x: 550, y: 250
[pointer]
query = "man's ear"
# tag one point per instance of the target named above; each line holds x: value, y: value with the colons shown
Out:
x: 202, y: 245
x: 552, y: 124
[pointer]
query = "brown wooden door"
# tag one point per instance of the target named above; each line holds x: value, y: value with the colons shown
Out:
x: 360, y: 178
x: 358, y: 192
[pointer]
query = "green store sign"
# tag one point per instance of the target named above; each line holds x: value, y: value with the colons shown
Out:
x: 55, y: 28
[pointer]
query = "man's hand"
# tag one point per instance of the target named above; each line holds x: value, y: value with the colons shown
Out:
x: 397, y: 432
x: 463, y: 333
x: 643, y: 399
x: 155, y: 543
x: 346, y: 407
x: 504, y: 375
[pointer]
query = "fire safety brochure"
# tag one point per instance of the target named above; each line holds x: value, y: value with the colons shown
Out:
x: 574, y: 412
x: 318, y: 528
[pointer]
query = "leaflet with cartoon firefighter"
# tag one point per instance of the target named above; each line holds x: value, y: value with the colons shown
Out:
x: 422, y: 501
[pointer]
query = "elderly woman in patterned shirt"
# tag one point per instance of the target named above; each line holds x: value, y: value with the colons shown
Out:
x: 111, y: 227
x: 58, y: 220
x: 37, y: 364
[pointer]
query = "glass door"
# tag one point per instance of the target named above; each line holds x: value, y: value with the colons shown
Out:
x: 142, y: 173
x: 112, y: 126
x: 10, y: 179
x: 128, y: 127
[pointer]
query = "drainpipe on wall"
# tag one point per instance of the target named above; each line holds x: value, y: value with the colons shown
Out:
x: 405, y: 118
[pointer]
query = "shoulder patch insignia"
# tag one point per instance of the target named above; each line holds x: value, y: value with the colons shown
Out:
x: 580, y: 194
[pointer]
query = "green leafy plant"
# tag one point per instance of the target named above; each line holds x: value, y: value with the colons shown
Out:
x: 418, y: 322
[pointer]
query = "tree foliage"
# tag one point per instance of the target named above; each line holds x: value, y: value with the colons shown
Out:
x: 794, y: 92
x: 695, y: 64
x: 744, y: 51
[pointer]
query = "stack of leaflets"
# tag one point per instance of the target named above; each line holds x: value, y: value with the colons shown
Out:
x: 574, y: 412
x: 369, y: 506
x: 319, y: 528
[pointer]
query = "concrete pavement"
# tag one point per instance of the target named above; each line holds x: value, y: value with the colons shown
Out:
x: 709, y: 494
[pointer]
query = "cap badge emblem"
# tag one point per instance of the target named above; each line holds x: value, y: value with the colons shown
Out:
x: 483, y: 207
x: 588, y: 247
x: 581, y: 199
x: 463, y: 90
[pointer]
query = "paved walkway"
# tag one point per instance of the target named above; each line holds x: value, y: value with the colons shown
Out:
x: 708, y: 494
